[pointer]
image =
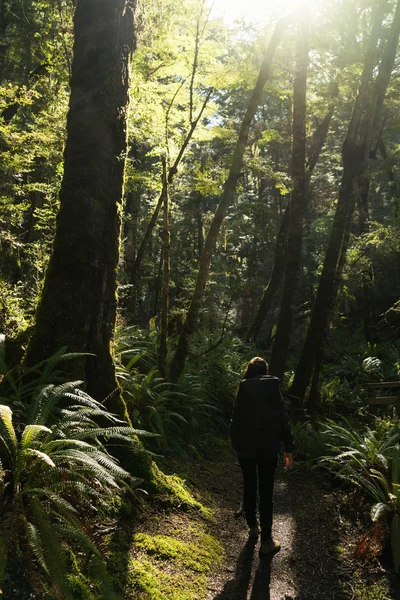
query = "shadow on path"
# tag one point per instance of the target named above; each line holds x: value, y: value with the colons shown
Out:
x: 313, y: 565
x: 262, y: 580
x: 238, y: 588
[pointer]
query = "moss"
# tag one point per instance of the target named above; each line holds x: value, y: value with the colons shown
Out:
x: 198, y: 557
x: 366, y: 588
x: 376, y: 591
x: 80, y: 589
x: 82, y: 586
x: 166, y: 568
x: 149, y: 582
x: 172, y: 490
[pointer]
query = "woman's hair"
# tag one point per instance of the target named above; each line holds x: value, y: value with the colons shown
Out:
x: 256, y: 366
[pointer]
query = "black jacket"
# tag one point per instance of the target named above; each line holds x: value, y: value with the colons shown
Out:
x: 260, y: 420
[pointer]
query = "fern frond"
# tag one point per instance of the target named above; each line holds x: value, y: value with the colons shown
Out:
x: 30, y: 433
x: 35, y: 544
x: 6, y: 421
x: 52, y: 551
x: 45, y: 402
x: 41, y: 455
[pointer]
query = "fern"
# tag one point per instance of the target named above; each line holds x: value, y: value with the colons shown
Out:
x: 59, y: 468
x: 370, y: 462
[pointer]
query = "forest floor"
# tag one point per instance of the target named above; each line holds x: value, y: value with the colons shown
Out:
x: 318, y: 541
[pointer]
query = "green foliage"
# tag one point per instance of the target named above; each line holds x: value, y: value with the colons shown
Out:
x: 310, y: 442
x: 188, y: 554
x: 345, y: 381
x: 173, y: 491
x: 176, y: 413
x: 56, y: 477
x: 166, y: 568
x: 365, y: 588
x: 370, y: 462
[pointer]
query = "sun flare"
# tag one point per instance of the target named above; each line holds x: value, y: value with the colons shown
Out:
x: 255, y: 10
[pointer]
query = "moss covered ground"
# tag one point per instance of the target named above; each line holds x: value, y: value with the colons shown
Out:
x: 169, y: 551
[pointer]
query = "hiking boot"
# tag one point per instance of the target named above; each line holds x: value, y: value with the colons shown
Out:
x: 254, y: 532
x: 269, y: 547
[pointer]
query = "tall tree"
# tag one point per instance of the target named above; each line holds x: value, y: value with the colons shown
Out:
x: 162, y: 349
x: 316, y: 146
x: 78, y: 304
x: 298, y: 202
x: 364, y: 123
x: 189, y: 326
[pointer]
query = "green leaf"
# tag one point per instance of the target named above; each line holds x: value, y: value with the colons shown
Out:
x: 41, y: 455
x: 6, y: 418
x: 31, y: 432
x: 379, y: 510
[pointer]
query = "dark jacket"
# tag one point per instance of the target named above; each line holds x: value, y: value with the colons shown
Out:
x: 260, y: 420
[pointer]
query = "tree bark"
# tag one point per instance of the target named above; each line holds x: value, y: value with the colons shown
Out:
x: 316, y: 146
x: 189, y: 326
x: 298, y: 204
x: 367, y: 291
x: 132, y: 207
x: 162, y: 349
x: 136, y: 154
x: 78, y: 304
x: 356, y: 149
x: 393, y: 187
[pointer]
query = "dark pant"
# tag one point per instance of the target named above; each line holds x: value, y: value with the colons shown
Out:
x: 266, y: 476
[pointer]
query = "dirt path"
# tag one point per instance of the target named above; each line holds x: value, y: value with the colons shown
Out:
x: 307, y: 524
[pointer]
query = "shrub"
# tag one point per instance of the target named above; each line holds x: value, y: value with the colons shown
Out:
x: 56, y: 475
x: 370, y: 461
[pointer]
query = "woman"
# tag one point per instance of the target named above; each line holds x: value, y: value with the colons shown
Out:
x: 260, y: 421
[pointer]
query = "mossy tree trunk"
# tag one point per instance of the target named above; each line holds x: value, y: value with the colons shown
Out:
x: 189, y: 326
x: 78, y: 304
x: 298, y: 204
x: 356, y: 149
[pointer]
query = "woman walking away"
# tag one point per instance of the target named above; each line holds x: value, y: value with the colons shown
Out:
x: 260, y: 422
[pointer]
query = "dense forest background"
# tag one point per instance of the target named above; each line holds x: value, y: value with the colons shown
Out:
x: 245, y: 201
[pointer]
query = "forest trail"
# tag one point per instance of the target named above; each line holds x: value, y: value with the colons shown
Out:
x: 311, y: 564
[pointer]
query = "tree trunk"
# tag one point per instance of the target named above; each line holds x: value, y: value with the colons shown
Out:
x: 178, y: 362
x: 159, y: 282
x: 131, y: 211
x: 393, y: 187
x: 368, y: 296
x: 278, y: 269
x: 162, y: 349
x: 314, y: 395
x: 199, y: 222
x: 297, y: 206
x: 356, y: 150
x: 78, y: 304
x: 316, y: 146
